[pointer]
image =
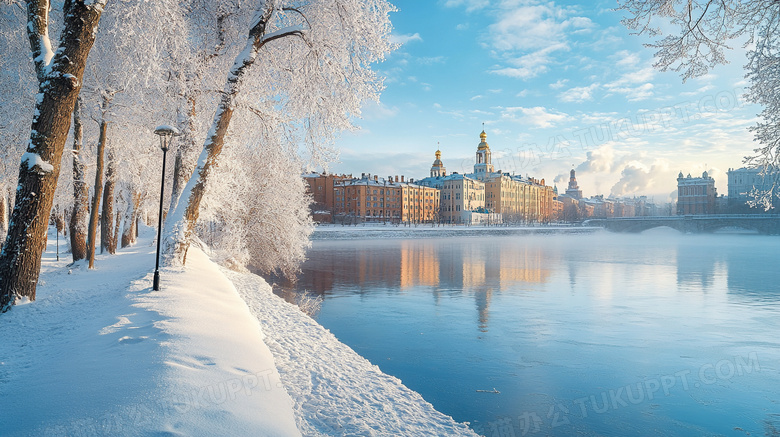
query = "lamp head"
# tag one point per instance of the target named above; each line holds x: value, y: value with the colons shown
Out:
x: 166, y: 133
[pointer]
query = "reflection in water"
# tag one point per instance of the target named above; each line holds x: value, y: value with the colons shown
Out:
x: 449, y: 266
x: 696, y: 268
x: 549, y: 320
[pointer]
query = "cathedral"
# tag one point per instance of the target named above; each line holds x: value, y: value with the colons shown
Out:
x: 489, y: 195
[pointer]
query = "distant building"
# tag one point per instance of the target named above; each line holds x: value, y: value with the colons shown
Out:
x: 696, y: 195
x: 574, y: 190
x: 515, y: 198
x: 460, y: 196
x: 437, y: 169
x: 374, y: 199
x: 320, y: 187
x: 483, y: 168
x: 744, y: 181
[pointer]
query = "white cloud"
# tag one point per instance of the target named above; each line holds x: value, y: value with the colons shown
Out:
x: 431, y: 60
x: 536, y: 116
x: 560, y: 83
x: 578, y: 94
x: 637, y: 93
x: 528, y: 36
x: 533, y: 27
x: 378, y: 111
x: 530, y: 65
x: 635, y: 85
x: 403, y: 39
x: 624, y: 58
x: 601, y: 160
x: 637, y: 179
x: 471, y: 5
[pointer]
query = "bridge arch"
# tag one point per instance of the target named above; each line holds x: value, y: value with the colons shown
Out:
x: 763, y: 224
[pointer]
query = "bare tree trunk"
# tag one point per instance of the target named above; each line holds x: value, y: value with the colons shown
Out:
x: 185, y: 217
x: 78, y: 219
x: 117, y: 224
x: 129, y: 233
x: 107, y: 217
x: 93, y: 216
x: 59, y: 77
x: 186, y: 144
x: 3, y: 213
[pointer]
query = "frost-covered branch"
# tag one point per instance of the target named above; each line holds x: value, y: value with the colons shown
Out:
x: 38, y: 33
x: 705, y: 28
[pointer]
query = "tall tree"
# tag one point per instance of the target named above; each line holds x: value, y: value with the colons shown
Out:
x: 59, y: 73
x: 107, y: 241
x: 80, y: 211
x: 315, y: 73
x: 705, y: 28
x: 98, y: 190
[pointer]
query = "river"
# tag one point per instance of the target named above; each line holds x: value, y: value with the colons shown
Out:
x: 565, y: 334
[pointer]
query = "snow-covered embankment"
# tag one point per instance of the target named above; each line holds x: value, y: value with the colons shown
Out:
x: 99, y: 353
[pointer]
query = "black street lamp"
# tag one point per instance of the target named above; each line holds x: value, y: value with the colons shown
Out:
x: 166, y: 134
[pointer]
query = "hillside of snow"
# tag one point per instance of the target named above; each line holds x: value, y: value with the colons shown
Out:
x: 213, y: 353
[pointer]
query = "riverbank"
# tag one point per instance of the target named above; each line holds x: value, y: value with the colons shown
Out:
x: 378, y: 230
x: 99, y: 353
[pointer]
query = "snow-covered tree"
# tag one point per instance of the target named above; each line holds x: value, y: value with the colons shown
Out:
x: 704, y: 31
x: 310, y: 61
x: 125, y: 88
x: 17, y: 92
x: 80, y: 210
x: 59, y: 73
x: 256, y: 209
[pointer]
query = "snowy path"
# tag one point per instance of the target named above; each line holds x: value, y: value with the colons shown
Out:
x: 101, y: 354
x: 336, y: 391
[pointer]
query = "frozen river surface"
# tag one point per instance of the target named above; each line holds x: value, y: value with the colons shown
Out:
x: 566, y: 334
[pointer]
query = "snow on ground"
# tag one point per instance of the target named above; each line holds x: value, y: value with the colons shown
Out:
x: 336, y: 391
x: 101, y: 354
x: 98, y: 353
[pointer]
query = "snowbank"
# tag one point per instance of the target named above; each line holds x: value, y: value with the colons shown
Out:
x: 99, y: 353
x: 336, y: 391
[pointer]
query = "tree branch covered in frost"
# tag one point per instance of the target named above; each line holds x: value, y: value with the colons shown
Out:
x: 764, y: 75
x: 704, y: 30
x: 314, y: 75
x: 38, y: 33
x: 256, y: 210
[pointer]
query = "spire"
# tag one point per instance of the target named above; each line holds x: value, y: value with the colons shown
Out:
x: 437, y: 169
x: 483, y: 139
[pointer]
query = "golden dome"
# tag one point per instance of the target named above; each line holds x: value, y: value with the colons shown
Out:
x: 483, y: 143
x: 437, y: 162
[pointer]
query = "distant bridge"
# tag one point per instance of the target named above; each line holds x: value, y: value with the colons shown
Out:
x: 762, y: 223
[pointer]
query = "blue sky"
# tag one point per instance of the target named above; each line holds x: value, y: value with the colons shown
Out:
x: 557, y: 86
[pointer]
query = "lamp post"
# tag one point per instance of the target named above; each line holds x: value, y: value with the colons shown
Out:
x: 166, y: 134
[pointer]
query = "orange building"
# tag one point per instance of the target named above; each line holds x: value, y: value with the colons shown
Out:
x: 374, y: 199
x: 321, y: 189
